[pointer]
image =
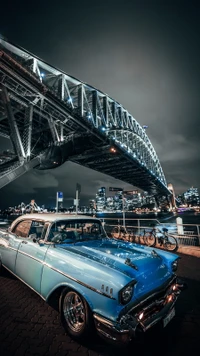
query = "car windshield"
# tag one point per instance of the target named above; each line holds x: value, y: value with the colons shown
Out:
x: 71, y: 231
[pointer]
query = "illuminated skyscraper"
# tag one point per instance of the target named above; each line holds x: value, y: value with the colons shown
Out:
x: 101, y: 199
x: 192, y: 196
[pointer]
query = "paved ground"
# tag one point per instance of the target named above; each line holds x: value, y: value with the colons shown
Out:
x: 189, y: 250
x: 28, y: 326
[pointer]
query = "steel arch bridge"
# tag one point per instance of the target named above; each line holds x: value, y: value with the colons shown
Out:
x: 51, y: 117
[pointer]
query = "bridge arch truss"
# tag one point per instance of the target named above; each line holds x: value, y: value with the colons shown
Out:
x: 65, y: 108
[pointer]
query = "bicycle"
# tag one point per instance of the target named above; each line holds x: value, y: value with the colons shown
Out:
x: 121, y: 233
x: 165, y: 240
x: 149, y: 237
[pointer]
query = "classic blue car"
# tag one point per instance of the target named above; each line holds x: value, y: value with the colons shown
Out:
x: 119, y: 287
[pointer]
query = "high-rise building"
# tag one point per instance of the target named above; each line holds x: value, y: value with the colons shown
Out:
x: 92, y: 205
x: 101, y: 199
x: 147, y: 200
x: 118, y: 200
x: 192, y: 196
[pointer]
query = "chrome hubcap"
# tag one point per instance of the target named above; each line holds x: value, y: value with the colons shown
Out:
x: 74, y: 311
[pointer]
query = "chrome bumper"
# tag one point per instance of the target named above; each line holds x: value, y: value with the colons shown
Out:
x: 139, y: 319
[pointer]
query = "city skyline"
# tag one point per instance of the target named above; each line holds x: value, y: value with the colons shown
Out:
x: 69, y: 203
x: 146, y: 56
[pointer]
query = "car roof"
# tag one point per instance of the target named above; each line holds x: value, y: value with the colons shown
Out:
x: 53, y: 217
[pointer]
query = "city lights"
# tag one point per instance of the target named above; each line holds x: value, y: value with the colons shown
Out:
x: 113, y: 150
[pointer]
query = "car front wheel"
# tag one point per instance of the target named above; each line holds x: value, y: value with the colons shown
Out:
x: 76, y: 315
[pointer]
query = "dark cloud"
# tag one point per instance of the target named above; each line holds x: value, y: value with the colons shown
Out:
x: 144, y: 54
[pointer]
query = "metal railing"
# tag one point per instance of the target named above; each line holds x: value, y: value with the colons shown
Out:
x: 190, y: 236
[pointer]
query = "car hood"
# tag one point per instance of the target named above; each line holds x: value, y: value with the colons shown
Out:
x: 135, y: 261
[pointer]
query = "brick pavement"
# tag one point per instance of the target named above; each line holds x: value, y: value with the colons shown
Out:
x: 29, y: 326
x: 189, y: 250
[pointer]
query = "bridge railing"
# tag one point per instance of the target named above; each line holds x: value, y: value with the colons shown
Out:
x: 190, y: 236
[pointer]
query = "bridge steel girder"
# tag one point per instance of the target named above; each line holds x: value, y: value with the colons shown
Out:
x: 28, y: 131
x: 61, y: 106
x: 16, y: 170
x: 14, y: 131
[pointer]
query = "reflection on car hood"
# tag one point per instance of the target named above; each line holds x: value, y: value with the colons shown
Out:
x: 130, y: 259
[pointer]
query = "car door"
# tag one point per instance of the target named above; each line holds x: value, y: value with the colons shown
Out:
x: 9, y: 244
x: 30, y: 256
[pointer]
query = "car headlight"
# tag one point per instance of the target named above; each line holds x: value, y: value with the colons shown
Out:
x: 174, y: 265
x: 126, y: 294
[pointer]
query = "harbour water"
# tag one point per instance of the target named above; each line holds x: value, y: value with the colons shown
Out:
x: 188, y: 217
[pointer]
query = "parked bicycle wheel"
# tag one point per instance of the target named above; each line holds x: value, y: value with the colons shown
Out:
x: 140, y: 239
x: 149, y: 238
x: 115, y: 232
x: 130, y: 235
x: 137, y: 239
x: 171, y: 243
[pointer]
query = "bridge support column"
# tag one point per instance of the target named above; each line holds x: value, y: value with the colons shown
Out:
x: 94, y: 107
x: 15, y: 134
x: 80, y: 100
x: 157, y: 201
x: 53, y: 130
x: 113, y: 108
x: 28, y: 131
x: 105, y: 108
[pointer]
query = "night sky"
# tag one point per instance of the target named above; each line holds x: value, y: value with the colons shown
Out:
x: 144, y: 54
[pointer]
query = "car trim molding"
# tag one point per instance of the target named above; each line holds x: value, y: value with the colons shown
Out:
x: 80, y: 282
x: 64, y: 274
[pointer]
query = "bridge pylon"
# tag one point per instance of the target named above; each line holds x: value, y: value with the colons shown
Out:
x: 172, y: 198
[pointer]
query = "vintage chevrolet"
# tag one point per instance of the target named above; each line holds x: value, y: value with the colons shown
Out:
x: 119, y: 288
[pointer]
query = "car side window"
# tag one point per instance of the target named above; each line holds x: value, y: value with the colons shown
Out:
x: 71, y: 231
x: 52, y: 232
x: 22, y: 229
x: 44, y: 231
x: 37, y: 229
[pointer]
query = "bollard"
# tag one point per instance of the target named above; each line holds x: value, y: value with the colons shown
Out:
x: 139, y: 227
x: 179, y: 223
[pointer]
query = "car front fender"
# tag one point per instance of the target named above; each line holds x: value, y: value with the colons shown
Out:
x: 61, y: 288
